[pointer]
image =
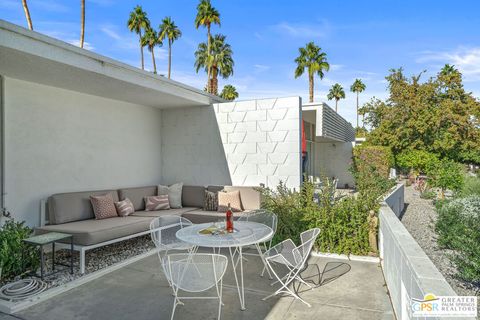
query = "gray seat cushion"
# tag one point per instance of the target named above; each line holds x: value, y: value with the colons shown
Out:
x: 73, y: 206
x: 137, y: 195
x: 201, y: 216
x: 88, y: 232
x: 159, y: 213
x: 192, y: 196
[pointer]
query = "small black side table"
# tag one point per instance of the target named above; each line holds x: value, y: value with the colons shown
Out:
x: 50, y: 238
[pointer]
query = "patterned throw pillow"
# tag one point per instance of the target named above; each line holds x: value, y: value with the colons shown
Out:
x: 103, y: 206
x: 124, y: 207
x: 232, y: 198
x: 210, y: 201
x: 157, y: 203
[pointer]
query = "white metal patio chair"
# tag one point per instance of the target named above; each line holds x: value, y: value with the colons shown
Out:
x: 294, y: 258
x: 195, y: 273
x: 269, y: 219
x: 163, y: 230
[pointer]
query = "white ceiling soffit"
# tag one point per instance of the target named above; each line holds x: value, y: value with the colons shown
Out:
x: 34, y: 57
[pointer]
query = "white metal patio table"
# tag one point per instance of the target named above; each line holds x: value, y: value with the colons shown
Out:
x: 246, y: 233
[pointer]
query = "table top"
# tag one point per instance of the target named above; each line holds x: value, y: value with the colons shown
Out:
x: 47, y: 238
x: 247, y: 233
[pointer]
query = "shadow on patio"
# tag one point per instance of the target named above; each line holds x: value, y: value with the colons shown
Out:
x: 348, y: 290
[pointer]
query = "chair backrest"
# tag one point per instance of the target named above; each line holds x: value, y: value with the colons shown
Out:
x: 263, y: 216
x: 302, y: 252
x: 195, y: 272
x: 163, y: 230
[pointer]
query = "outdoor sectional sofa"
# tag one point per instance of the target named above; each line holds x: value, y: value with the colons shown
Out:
x: 72, y: 213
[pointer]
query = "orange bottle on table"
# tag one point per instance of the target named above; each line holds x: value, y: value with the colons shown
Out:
x: 229, y: 220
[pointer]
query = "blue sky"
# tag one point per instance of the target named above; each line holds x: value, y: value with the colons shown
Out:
x: 363, y: 39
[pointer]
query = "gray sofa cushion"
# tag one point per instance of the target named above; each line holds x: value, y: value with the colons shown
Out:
x: 136, y: 195
x: 215, y: 188
x: 88, y: 232
x: 174, y: 193
x: 153, y: 214
x: 73, y: 206
x: 200, y: 216
x: 192, y: 196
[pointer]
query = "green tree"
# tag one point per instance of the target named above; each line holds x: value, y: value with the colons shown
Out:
x: 229, y: 92
x: 206, y: 16
x: 357, y: 87
x: 150, y: 40
x: 170, y: 31
x: 314, y: 61
x: 336, y: 92
x: 137, y: 22
x: 220, y: 60
x: 436, y: 115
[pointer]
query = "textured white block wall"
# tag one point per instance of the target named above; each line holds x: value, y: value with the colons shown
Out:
x: 261, y: 140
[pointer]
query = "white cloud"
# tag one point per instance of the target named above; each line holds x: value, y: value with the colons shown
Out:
x: 51, y: 6
x: 467, y: 60
x: 260, y: 68
x: 110, y: 31
x: 302, y: 30
x: 335, y: 67
x: 86, y: 45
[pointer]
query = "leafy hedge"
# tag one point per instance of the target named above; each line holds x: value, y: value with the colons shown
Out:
x: 419, y: 161
x: 366, y: 158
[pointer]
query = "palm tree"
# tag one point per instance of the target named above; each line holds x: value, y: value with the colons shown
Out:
x: 82, y: 22
x: 229, y: 92
x: 448, y: 69
x: 206, y: 15
x: 220, y: 60
x: 314, y: 60
x: 138, y: 20
x: 336, y: 92
x: 357, y: 87
x: 27, y: 14
x: 169, y: 30
x: 150, y: 40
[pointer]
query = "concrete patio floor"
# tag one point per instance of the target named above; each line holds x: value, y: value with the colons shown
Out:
x: 349, y: 290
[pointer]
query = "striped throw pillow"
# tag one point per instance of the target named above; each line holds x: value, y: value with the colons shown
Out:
x: 210, y: 201
x: 157, y: 203
x: 124, y: 207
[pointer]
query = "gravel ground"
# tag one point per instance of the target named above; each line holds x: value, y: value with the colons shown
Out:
x: 419, y: 219
x: 96, y: 259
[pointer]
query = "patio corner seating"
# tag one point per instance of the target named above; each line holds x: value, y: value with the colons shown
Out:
x: 72, y: 213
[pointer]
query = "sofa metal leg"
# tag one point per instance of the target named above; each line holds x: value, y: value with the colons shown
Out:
x: 82, y: 261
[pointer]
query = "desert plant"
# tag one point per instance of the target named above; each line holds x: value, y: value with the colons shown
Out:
x: 458, y: 228
x: 15, y: 255
x: 470, y: 187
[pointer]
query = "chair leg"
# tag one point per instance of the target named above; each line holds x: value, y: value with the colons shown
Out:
x: 263, y: 260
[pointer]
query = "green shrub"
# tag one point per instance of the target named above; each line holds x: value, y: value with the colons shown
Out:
x: 417, y: 160
x: 11, y: 246
x: 458, y: 228
x: 446, y: 174
x: 379, y: 158
x: 343, y: 223
x: 470, y: 187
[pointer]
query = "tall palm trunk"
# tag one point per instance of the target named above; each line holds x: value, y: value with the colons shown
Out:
x: 357, y: 111
x: 169, y: 57
x: 311, y: 84
x: 214, y: 81
x: 27, y: 14
x: 336, y: 105
x: 82, y: 21
x: 363, y: 120
x: 209, y: 89
x: 153, y: 61
x: 141, y: 48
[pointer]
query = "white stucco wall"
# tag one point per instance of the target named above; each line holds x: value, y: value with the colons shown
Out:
x: 238, y: 143
x: 60, y: 141
x: 334, y: 159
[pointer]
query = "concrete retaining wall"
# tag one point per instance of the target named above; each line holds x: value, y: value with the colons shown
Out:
x: 408, y: 271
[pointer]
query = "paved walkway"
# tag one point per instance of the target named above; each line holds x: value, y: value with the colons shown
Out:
x: 349, y: 290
